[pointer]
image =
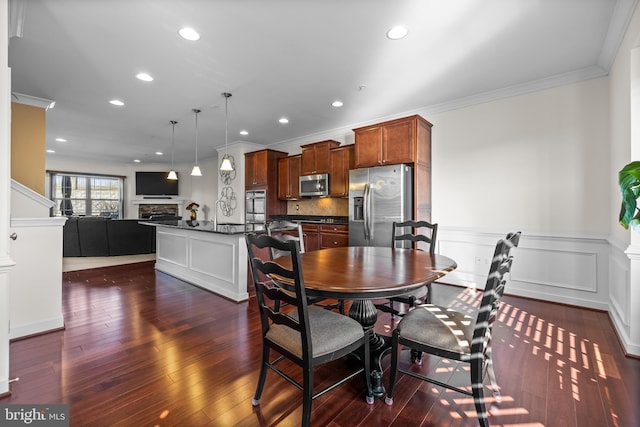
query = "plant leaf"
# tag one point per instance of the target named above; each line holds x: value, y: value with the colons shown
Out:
x: 629, y: 180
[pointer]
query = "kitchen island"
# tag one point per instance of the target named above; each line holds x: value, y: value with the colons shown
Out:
x: 208, y: 256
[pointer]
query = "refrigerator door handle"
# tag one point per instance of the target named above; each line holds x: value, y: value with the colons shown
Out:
x: 365, y: 211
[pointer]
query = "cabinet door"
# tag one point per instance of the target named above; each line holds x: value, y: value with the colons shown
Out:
x: 398, y: 142
x: 315, y: 157
x: 255, y: 172
x: 289, y: 178
x: 368, y: 145
x: 311, y: 237
x: 283, y: 178
x: 249, y: 160
x: 294, y: 177
x: 308, y: 161
x: 341, y: 161
x: 260, y: 168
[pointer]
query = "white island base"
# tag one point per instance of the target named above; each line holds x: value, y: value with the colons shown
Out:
x: 214, y: 261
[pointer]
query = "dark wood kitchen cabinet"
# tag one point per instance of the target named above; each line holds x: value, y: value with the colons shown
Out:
x: 315, y: 157
x: 393, y: 142
x: 289, y: 177
x: 341, y: 160
x: 405, y: 140
x: 261, y: 173
x: 311, y: 235
x: 333, y: 236
x: 261, y: 167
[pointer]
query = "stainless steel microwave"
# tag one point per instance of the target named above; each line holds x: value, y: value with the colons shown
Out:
x: 314, y: 185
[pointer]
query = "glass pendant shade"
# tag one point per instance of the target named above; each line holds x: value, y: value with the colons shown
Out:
x: 196, y: 171
x: 226, y: 164
x: 172, y: 175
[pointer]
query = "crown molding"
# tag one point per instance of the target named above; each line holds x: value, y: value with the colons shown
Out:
x: 33, y: 101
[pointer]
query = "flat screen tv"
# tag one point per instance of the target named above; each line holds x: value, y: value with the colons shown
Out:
x: 155, y: 184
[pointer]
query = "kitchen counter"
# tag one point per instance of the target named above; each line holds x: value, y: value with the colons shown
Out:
x: 213, y: 259
x: 206, y: 226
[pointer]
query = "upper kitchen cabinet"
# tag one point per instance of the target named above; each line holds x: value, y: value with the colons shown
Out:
x: 289, y: 177
x: 406, y: 140
x: 261, y: 168
x: 341, y: 160
x: 315, y: 157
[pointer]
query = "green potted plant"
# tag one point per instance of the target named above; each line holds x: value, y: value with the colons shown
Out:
x: 629, y: 180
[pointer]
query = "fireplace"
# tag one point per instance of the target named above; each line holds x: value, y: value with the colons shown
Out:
x: 150, y: 207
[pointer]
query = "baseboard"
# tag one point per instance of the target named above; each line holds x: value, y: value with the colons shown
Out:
x: 36, y: 328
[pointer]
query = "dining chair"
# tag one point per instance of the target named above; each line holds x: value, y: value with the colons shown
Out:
x: 422, y: 236
x: 453, y: 335
x: 288, y: 230
x: 285, y: 230
x: 304, y: 334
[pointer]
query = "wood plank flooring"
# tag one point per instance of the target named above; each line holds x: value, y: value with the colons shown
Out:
x: 141, y: 348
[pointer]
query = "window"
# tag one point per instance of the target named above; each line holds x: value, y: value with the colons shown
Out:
x: 86, y: 195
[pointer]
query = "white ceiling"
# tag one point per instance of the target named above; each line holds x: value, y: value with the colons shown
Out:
x: 289, y: 58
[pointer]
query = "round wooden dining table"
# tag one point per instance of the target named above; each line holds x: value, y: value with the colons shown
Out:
x: 366, y: 273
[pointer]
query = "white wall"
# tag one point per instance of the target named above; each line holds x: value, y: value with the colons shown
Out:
x: 544, y: 154
x: 201, y: 190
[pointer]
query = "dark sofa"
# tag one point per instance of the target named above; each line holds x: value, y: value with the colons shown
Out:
x: 98, y: 236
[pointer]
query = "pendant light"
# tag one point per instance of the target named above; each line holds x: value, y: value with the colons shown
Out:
x: 226, y: 163
x: 172, y: 173
x: 196, y: 169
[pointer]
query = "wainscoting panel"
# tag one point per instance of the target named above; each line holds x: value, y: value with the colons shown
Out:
x: 619, y: 288
x: 556, y: 268
x: 570, y: 270
x: 171, y: 247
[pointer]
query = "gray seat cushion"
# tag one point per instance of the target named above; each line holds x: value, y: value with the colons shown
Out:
x: 438, y: 327
x: 330, y: 331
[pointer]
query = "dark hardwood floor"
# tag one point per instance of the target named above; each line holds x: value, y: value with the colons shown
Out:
x: 141, y: 348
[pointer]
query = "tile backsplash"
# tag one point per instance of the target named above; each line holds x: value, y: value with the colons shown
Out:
x: 325, y: 206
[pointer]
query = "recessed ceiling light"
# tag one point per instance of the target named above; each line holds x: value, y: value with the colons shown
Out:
x: 116, y: 102
x: 397, y: 32
x: 284, y: 120
x: 189, y: 34
x: 51, y: 151
x: 144, y: 77
x: 337, y: 103
x: 136, y: 161
x: 244, y: 132
x: 61, y: 140
x: 159, y: 153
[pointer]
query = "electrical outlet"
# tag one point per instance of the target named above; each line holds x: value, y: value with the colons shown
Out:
x: 297, y: 207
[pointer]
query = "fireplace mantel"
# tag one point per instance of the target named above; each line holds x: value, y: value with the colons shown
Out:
x: 178, y: 202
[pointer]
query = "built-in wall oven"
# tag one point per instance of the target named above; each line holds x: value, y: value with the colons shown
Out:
x: 255, y: 210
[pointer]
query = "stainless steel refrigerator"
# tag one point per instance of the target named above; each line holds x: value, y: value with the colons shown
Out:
x: 378, y: 196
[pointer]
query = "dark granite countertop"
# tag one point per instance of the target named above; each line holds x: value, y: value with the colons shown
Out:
x: 313, y: 219
x: 206, y: 226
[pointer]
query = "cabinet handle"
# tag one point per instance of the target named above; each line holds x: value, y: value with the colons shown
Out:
x: 13, y: 236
